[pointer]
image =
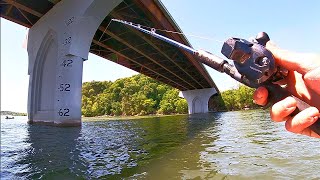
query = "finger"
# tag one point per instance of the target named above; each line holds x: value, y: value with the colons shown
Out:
x: 302, y: 90
x: 260, y: 96
x: 302, y: 120
x: 301, y: 62
x: 280, y: 110
x: 312, y: 79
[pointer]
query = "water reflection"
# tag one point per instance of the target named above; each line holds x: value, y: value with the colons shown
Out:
x: 52, y: 152
x: 183, y: 158
x: 251, y: 146
x: 110, y: 149
x: 13, y: 146
x: 136, y: 148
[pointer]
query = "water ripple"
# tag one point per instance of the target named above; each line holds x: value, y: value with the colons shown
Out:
x: 231, y: 145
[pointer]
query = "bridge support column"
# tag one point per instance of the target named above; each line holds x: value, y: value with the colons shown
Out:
x: 198, y: 99
x: 57, y: 46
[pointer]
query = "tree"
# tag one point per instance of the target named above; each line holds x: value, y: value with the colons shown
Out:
x: 168, y: 102
x: 181, y: 106
x: 237, y: 99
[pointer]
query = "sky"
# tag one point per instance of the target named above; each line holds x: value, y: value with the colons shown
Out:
x: 291, y: 24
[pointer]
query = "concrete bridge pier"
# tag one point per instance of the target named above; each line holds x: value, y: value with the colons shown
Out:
x: 198, y: 99
x: 57, y: 46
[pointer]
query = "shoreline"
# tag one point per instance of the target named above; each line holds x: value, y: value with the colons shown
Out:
x: 110, y: 118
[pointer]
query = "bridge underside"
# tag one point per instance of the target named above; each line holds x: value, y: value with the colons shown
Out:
x: 126, y: 46
x: 62, y: 33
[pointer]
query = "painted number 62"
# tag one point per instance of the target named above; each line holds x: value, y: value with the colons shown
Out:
x: 64, y: 112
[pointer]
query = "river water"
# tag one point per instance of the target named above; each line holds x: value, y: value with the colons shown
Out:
x: 230, y: 145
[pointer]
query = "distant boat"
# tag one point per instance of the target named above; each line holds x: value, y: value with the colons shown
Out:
x: 9, y: 117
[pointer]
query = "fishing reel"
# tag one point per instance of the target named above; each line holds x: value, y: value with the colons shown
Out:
x: 253, y: 61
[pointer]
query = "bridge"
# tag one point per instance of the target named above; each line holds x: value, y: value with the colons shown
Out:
x: 63, y: 32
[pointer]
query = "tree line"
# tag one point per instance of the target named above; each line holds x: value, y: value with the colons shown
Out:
x: 235, y: 99
x: 136, y: 95
x: 141, y: 95
x: 11, y: 113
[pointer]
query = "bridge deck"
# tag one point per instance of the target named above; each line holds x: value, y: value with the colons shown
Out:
x: 126, y: 46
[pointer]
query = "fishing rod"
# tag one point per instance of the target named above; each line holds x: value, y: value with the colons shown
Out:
x: 253, y: 65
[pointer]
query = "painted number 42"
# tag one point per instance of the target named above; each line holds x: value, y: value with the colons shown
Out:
x: 67, y: 63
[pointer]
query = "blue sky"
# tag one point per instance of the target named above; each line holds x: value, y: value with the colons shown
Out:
x: 292, y: 24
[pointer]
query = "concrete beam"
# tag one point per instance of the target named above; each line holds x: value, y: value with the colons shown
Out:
x: 57, y: 45
x: 198, y: 99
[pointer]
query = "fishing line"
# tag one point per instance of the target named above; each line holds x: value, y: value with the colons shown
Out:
x: 105, y: 29
x: 173, y: 32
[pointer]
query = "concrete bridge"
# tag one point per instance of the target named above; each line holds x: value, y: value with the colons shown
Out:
x: 63, y: 32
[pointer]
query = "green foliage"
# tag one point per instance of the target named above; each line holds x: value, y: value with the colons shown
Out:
x: 235, y: 99
x: 171, y: 103
x: 181, y: 106
x: 136, y: 95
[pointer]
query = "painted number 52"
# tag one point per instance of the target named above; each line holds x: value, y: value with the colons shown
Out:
x: 64, y: 87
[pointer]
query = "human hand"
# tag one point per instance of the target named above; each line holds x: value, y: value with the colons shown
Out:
x: 303, y: 81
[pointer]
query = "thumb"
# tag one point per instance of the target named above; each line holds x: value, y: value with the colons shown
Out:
x: 300, y: 62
